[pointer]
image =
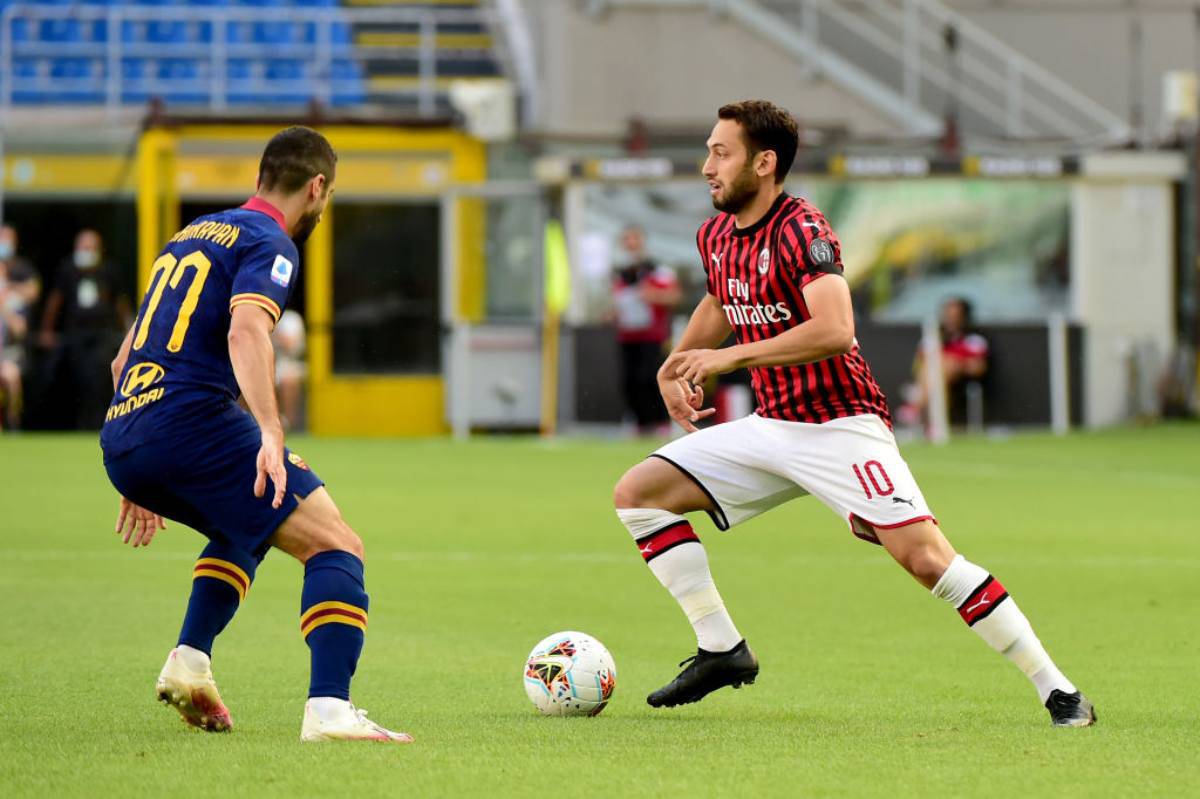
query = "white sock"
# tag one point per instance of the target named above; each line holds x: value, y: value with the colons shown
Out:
x: 677, y: 558
x: 193, y: 658
x: 329, y: 708
x: 988, y: 609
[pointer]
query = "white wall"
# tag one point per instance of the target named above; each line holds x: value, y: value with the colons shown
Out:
x: 1122, y: 275
x: 670, y: 67
x: 677, y: 66
x: 1087, y: 44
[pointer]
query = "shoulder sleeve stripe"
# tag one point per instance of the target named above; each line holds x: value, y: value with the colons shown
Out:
x: 261, y: 300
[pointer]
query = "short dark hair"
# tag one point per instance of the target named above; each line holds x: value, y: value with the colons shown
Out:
x: 766, y: 126
x: 964, y: 305
x: 293, y: 157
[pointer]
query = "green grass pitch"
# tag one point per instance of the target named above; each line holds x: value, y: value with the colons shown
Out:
x: 869, y: 687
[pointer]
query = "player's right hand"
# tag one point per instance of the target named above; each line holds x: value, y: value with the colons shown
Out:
x: 138, y: 523
x: 685, y: 402
x: 270, y: 464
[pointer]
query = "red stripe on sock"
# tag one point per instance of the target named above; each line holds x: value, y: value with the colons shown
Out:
x: 333, y: 612
x: 655, y: 544
x: 201, y: 567
x: 982, y: 601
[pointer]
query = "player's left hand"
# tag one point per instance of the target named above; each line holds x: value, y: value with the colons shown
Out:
x: 138, y: 524
x: 270, y: 465
x: 696, y: 366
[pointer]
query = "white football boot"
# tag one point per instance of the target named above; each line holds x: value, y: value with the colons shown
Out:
x: 186, y: 684
x: 329, y: 719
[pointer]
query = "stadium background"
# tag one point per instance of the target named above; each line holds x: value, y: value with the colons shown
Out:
x: 1039, y: 158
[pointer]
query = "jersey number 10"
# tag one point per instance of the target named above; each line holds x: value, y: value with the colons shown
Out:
x: 168, y: 269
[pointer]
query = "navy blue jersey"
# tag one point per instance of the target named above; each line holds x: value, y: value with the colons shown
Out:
x: 178, y: 377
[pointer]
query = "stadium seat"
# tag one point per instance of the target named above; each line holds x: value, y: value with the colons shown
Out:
x: 135, y: 69
x: 279, y: 72
x: 241, y: 79
x: 199, y: 32
x: 60, y: 30
x: 239, y: 32
x: 133, y: 31
x: 26, y: 71
x: 96, y: 30
x: 348, y: 86
x: 277, y: 33
x: 135, y: 73
x: 22, y: 30
x: 288, y: 81
x: 70, y: 68
x: 340, y: 34
x: 287, y: 69
x: 76, y: 80
x: 166, y: 31
x: 186, y: 80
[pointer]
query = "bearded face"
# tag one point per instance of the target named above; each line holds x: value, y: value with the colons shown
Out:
x: 307, y: 225
x: 734, y: 196
x: 729, y: 168
x: 312, y: 217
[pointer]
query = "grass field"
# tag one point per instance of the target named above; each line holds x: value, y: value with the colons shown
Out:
x: 869, y: 687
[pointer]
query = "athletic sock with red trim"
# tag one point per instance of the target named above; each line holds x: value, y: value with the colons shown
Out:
x: 988, y: 610
x: 675, y: 555
x: 220, y: 580
x: 333, y: 620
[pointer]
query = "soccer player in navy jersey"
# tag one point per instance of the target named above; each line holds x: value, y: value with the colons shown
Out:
x: 821, y: 425
x: 177, y: 445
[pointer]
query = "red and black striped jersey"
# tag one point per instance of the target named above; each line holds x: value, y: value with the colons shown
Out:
x: 759, y: 273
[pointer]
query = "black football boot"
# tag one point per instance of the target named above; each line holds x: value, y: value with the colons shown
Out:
x: 705, y: 673
x: 1070, y: 710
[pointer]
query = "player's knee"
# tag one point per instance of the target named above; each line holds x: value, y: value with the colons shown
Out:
x: 629, y: 492
x: 352, y: 543
x: 342, y: 537
x: 926, y: 563
x: 317, y: 527
x: 336, y: 541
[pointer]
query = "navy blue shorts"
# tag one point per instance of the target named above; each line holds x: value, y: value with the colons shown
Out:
x: 204, y: 478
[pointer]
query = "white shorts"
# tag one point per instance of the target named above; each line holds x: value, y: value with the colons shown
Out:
x: 754, y: 464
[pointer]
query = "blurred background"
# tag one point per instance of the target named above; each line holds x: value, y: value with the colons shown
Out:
x: 512, y: 245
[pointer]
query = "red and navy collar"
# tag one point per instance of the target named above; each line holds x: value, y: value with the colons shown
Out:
x: 264, y: 207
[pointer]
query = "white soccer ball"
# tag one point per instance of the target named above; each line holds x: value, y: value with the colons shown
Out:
x: 570, y: 674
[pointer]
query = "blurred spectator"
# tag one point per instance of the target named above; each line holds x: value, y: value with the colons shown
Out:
x: 290, y: 368
x: 644, y: 294
x: 19, y: 289
x: 85, y: 317
x: 964, y: 359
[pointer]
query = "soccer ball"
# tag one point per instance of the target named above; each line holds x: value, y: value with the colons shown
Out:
x: 570, y: 674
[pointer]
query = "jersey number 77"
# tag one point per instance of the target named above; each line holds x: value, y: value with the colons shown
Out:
x: 169, y: 269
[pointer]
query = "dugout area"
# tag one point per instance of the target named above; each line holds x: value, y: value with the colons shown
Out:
x: 378, y: 371
x: 422, y: 274
x: 407, y: 241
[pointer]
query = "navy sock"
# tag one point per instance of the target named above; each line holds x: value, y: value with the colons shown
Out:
x: 220, y: 580
x: 333, y: 620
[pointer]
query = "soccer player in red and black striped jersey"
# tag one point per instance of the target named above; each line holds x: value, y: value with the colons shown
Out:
x: 821, y: 425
